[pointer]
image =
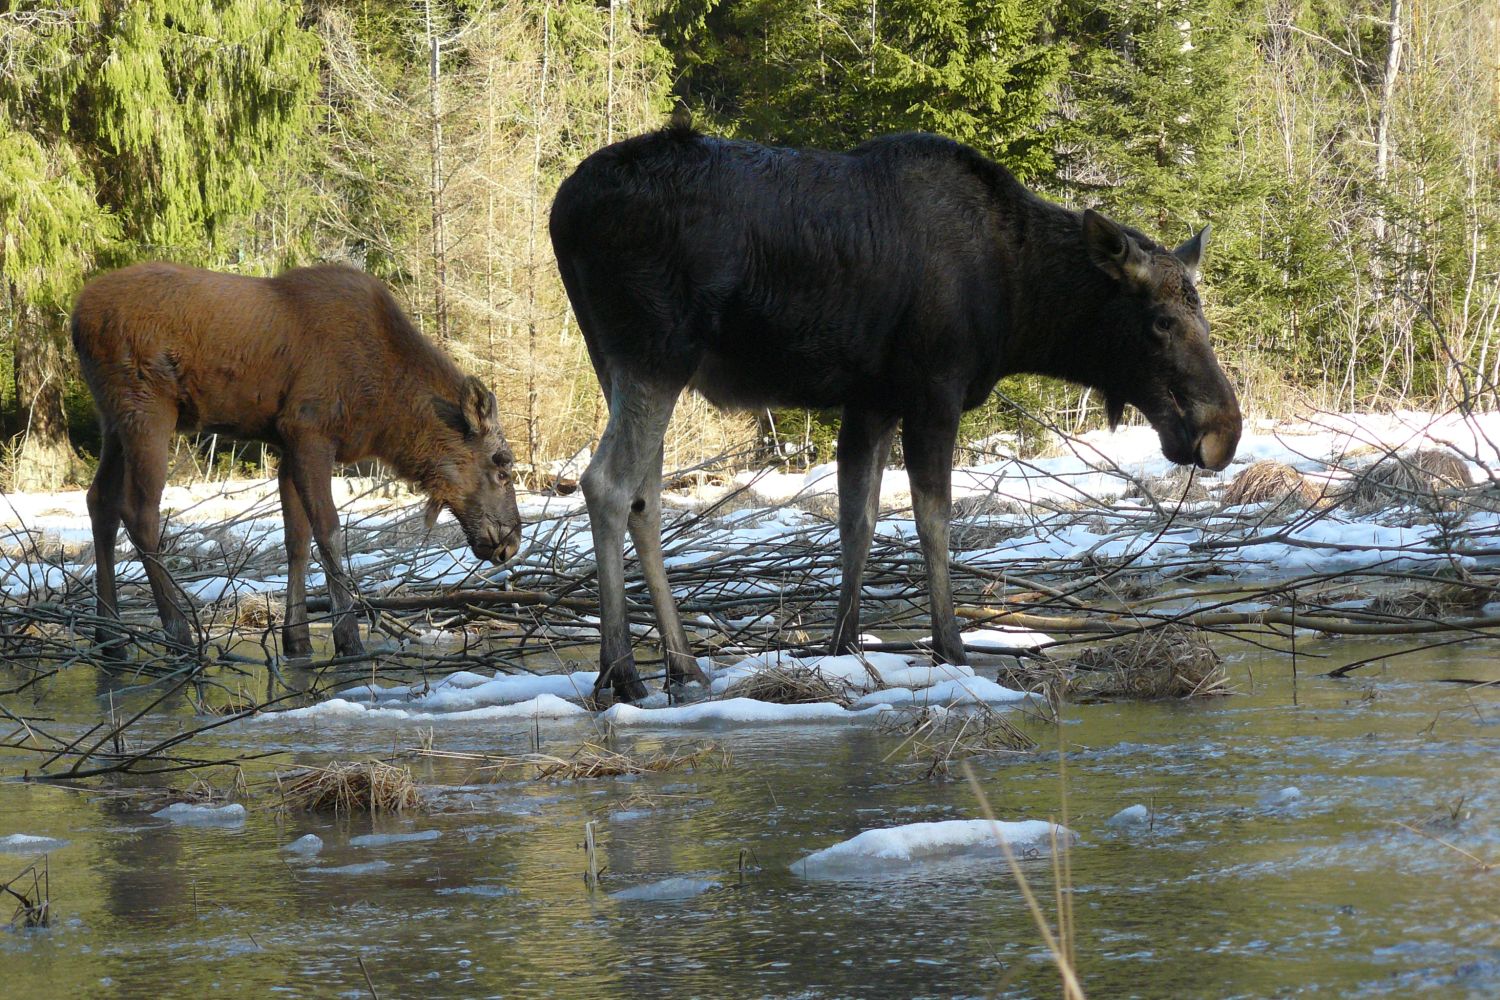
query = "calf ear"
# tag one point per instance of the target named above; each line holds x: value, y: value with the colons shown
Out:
x: 480, y: 411
x: 1113, y: 251
x: 1191, y: 252
x: 430, y: 516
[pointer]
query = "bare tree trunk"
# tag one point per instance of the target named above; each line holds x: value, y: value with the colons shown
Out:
x: 439, y: 237
x: 43, y: 457
x: 533, y: 266
x: 1383, y: 122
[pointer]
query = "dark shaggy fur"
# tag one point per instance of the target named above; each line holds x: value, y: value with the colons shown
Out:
x: 898, y: 281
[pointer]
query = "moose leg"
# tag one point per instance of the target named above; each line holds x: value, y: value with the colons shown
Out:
x: 928, y: 444
x: 312, y: 475
x: 613, y: 490
x: 144, y: 455
x: 104, y: 498
x: 296, y: 638
x: 864, y: 444
x: 645, y: 531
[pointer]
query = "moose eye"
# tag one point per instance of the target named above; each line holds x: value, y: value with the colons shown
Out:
x: 1162, y: 325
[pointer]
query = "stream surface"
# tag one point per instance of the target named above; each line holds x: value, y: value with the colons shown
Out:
x: 1271, y: 865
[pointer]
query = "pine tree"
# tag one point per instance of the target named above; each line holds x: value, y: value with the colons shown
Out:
x: 164, y: 116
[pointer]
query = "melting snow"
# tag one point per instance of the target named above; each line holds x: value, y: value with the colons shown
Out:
x: 898, y: 846
x: 190, y: 814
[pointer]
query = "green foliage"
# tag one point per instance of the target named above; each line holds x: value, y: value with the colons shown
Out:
x: 836, y: 72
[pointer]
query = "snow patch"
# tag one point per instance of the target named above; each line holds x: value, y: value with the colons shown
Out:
x: 945, y: 840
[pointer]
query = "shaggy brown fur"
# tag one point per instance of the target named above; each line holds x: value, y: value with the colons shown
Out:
x: 319, y: 362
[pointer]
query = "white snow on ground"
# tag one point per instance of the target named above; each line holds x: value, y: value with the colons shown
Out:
x: 26, y: 843
x: 211, y: 520
x: 738, y: 710
x: 543, y: 706
x: 898, y: 846
x: 189, y: 814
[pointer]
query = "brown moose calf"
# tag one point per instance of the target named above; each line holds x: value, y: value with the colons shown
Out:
x: 319, y: 362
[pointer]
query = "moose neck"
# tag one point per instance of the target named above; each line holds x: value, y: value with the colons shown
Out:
x: 411, y: 445
x: 1059, y: 299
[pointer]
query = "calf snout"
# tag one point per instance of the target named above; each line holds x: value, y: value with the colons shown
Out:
x: 498, y: 544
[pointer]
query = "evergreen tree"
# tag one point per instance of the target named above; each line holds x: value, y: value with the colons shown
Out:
x: 164, y: 115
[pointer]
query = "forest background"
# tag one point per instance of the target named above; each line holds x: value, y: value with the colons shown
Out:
x: 1347, y: 154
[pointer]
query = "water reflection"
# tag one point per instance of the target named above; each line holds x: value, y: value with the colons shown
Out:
x: 1232, y: 887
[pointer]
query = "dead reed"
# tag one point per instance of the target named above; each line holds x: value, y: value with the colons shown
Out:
x: 936, y: 737
x: 1164, y: 663
x: 791, y: 685
x: 32, y: 890
x: 1424, y: 478
x: 591, y: 760
x: 357, y: 786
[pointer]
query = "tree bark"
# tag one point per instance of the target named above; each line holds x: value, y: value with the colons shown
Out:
x: 43, y: 458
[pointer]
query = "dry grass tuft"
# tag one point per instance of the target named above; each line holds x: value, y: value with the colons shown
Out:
x: 1420, y: 477
x: 791, y: 686
x: 357, y: 786
x: 1165, y: 663
x: 1268, y: 481
x: 1462, y: 594
x: 937, y: 737
x: 1179, y: 484
x: 593, y: 761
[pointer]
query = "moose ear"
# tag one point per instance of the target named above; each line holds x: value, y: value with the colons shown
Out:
x: 1113, y: 250
x: 1191, y: 252
x: 430, y: 515
x: 480, y: 411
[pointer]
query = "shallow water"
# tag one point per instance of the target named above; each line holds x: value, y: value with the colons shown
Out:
x: 1271, y: 864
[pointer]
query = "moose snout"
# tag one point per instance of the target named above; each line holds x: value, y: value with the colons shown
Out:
x: 498, y: 544
x: 1216, y: 444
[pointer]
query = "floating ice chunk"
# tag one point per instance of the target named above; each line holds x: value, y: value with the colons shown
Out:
x: 493, y: 891
x: 968, y: 691
x: 190, y: 814
x: 363, y: 868
x: 306, y: 845
x: 386, y: 839
x: 1284, y: 797
x: 1136, y: 815
x: 25, y: 843
x: 954, y: 839
x: 666, y: 890
x: 732, y: 710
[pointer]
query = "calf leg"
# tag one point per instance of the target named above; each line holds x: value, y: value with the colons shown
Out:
x: 928, y: 442
x: 613, y: 490
x: 296, y: 638
x: 104, y: 499
x: 312, y: 475
x: 645, y: 531
x: 144, y: 442
x: 864, y: 444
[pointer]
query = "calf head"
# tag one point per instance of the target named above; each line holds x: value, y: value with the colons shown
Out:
x: 474, y: 467
x: 1158, y: 358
